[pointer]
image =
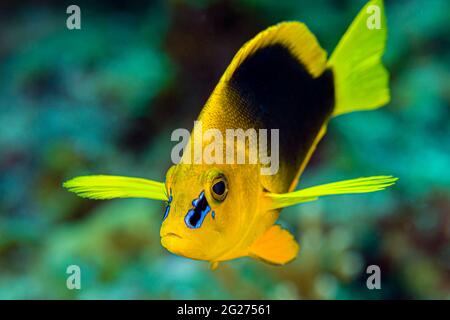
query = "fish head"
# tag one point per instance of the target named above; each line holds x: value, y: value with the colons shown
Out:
x: 208, y: 210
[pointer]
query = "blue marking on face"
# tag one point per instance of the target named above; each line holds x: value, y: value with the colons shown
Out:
x: 213, y: 214
x: 195, y: 216
x: 166, y: 213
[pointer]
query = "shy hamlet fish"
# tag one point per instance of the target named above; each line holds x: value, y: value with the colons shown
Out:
x: 280, y: 79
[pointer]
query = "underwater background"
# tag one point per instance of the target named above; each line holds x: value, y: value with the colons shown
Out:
x: 105, y: 99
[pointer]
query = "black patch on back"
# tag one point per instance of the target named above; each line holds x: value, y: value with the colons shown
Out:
x: 279, y: 93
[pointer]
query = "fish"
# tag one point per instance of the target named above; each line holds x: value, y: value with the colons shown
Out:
x: 280, y: 79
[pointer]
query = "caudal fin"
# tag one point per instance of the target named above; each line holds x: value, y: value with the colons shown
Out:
x: 361, y: 80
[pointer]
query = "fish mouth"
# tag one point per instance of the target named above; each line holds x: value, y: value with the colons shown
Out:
x: 171, y: 235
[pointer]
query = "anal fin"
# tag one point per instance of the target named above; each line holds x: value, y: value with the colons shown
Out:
x: 276, y: 246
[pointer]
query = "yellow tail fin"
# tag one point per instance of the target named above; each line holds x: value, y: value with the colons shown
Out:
x: 109, y: 187
x: 361, y: 81
x: 359, y: 185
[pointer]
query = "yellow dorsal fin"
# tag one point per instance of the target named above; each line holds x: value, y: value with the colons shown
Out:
x: 295, y: 36
x: 103, y: 187
x: 276, y: 246
x: 359, y: 185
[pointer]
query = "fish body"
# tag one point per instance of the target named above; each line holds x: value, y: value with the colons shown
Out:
x: 279, y: 80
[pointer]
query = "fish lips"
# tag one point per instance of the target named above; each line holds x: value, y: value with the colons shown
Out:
x: 170, y: 240
x: 171, y: 235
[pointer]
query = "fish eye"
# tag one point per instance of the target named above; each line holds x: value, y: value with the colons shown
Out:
x: 219, y: 188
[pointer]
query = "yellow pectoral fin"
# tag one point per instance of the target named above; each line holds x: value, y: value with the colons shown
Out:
x: 103, y: 187
x: 276, y: 246
x: 359, y: 185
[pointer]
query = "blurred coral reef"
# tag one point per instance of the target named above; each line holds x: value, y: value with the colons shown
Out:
x: 104, y: 99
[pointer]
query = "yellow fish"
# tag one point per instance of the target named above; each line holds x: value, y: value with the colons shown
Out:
x: 279, y: 79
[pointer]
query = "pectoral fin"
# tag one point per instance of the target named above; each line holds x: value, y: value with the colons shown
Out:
x: 359, y: 185
x: 276, y: 246
x: 103, y: 187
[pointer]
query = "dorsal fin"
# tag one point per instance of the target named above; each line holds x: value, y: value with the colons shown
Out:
x: 294, y: 35
x: 277, y: 81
